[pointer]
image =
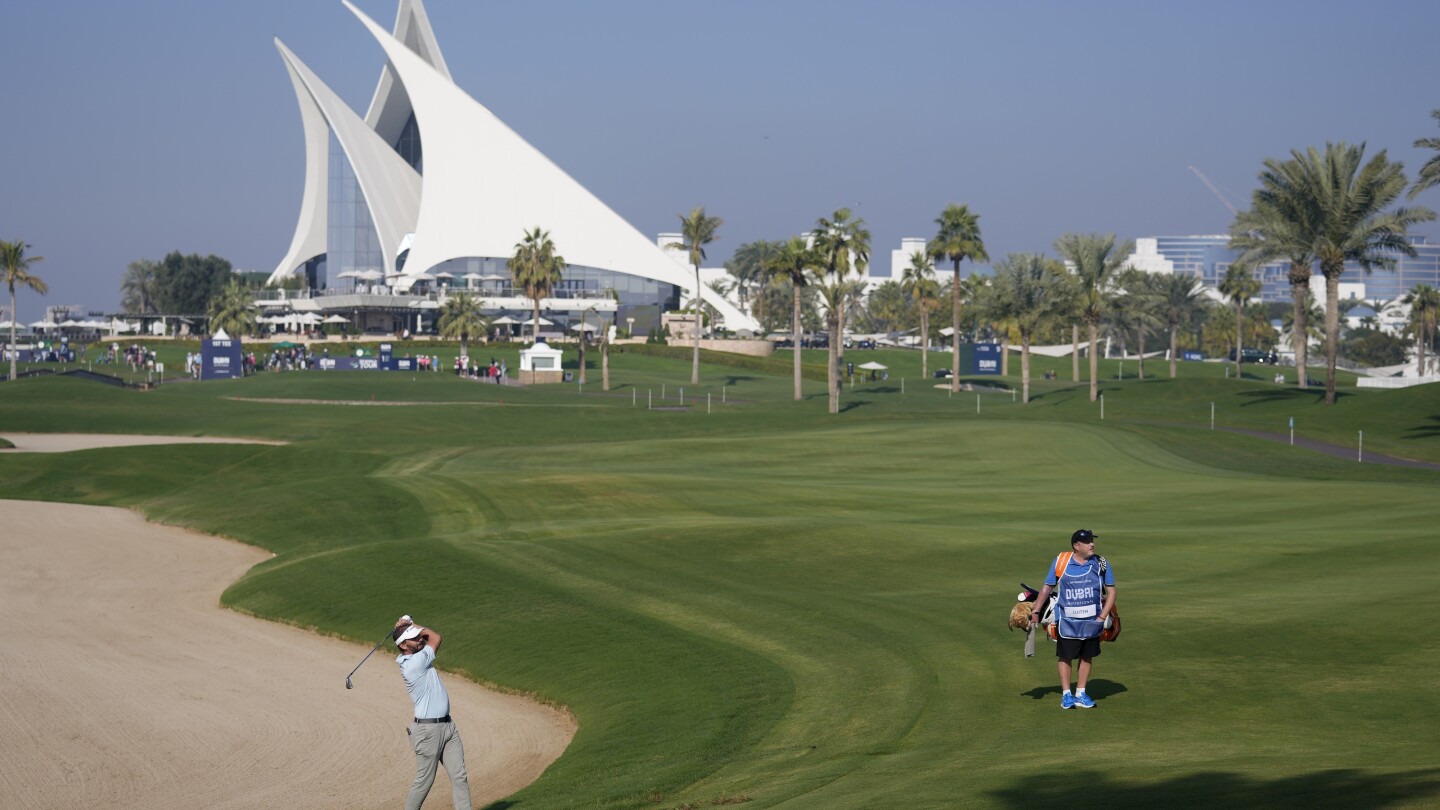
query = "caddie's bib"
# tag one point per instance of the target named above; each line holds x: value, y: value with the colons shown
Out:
x: 1081, y: 595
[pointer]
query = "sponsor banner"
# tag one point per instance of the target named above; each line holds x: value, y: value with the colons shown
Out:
x: 1191, y: 355
x: 221, y: 359
x: 985, y: 358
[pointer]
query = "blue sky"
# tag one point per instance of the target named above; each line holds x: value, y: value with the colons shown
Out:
x: 136, y: 128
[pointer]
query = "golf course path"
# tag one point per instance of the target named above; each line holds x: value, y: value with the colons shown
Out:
x: 66, y: 442
x: 126, y: 685
x: 1338, y: 451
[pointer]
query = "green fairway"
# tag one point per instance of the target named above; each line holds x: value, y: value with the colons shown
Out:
x: 744, y: 600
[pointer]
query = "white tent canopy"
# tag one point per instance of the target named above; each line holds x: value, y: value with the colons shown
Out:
x: 873, y: 366
x: 336, y: 319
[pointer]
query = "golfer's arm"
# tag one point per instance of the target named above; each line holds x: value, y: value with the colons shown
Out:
x: 432, y: 638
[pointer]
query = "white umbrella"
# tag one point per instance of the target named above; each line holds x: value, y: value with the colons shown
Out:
x: 423, y: 277
x: 348, y: 274
x: 494, y: 277
x: 543, y: 322
x: 474, y: 277
x: 43, y: 325
x: 370, y: 275
x: 586, y: 327
x: 504, y: 320
x: 336, y: 319
x: 873, y: 366
x: 444, y: 274
x: 69, y: 322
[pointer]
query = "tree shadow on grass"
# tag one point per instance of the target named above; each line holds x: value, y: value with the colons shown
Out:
x: 737, y: 378
x: 1309, y: 396
x: 1429, y: 431
x: 1098, y: 688
x: 1329, y: 788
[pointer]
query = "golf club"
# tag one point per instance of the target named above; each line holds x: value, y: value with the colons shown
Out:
x: 388, y: 636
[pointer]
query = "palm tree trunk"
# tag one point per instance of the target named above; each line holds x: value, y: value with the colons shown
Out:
x: 795, y: 347
x: 1005, y: 354
x: 1239, y: 340
x: 1332, y: 328
x: 699, y: 319
x: 1299, y: 331
x: 832, y: 373
x: 1094, y: 328
x: 605, y: 365
x: 955, y: 330
x: 924, y: 344
x: 1074, y: 352
x: 1173, y: 327
x: 582, y: 355
x: 1140, y: 339
x: 14, y: 352
x: 1024, y: 368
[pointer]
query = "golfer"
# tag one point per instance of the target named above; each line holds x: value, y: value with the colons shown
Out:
x: 1086, y: 588
x: 433, y: 735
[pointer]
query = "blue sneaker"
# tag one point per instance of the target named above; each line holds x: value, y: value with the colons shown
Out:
x: 1084, y: 701
x: 1067, y: 701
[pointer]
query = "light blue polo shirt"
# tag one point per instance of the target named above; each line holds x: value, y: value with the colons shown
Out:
x: 423, y: 683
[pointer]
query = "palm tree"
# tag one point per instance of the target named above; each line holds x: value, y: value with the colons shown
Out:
x: 919, y: 283
x: 1424, y: 303
x: 747, y: 267
x: 461, y: 316
x: 1238, y: 287
x: 1136, y: 310
x: 536, y: 268
x: 1313, y: 324
x: 957, y: 240
x: 1430, y: 172
x: 16, y: 267
x: 1096, y: 259
x: 1179, y: 299
x: 697, y: 231
x: 232, y: 310
x: 841, y: 245
x: 137, y: 287
x: 1352, y: 196
x: 793, y: 262
x: 1024, y: 293
x: 1281, y: 224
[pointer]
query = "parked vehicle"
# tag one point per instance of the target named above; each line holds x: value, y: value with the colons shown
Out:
x: 1260, y: 356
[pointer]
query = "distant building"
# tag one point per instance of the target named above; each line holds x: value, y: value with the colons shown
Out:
x: 1208, y: 257
x: 430, y: 189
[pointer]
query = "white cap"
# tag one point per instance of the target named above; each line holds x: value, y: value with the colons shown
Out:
x: 408, y: 633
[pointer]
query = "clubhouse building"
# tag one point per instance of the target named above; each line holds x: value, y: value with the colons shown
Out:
x: 429, y: 192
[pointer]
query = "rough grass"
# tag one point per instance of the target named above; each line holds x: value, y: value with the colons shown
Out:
x: 766, y: 603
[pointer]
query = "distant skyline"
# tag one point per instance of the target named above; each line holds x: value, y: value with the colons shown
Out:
x: 139, y: 128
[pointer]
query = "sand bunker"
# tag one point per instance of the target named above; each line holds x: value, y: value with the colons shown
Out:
x: 127, y: 686
x: 66, y: 442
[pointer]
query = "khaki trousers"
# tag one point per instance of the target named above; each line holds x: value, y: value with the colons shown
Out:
x: 437, y: 744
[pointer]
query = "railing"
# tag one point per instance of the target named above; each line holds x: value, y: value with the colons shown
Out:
x: 278, y: 296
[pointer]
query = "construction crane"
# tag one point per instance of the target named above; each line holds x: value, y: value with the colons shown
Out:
x: 1213, y: 189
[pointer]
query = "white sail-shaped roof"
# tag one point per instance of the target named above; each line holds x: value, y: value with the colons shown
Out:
x: 485, y: 185
x: 391, y: 187
x: 311, y: 230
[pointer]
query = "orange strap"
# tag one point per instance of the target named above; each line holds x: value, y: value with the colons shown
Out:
x: 1061, y: 562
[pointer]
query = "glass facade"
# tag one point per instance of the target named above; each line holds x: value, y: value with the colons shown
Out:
x: 409, y: 145
x: 639, y: 298
x: 351, y: 243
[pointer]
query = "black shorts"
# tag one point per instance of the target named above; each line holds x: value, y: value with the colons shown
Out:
x: 1068, y: 649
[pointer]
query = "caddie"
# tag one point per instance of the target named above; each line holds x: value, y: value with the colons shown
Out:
x: 1085, y: 588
